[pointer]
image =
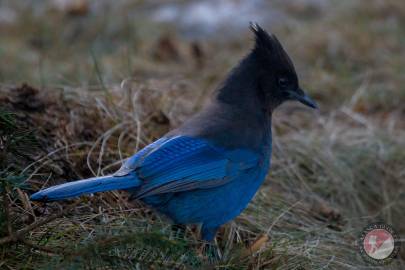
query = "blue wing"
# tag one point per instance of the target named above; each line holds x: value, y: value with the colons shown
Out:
x: 184, y: 163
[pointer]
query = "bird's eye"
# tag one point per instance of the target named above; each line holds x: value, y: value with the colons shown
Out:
x: 283, y: 82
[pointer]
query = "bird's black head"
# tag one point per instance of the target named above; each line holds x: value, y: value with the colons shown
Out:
x: 276, y: 76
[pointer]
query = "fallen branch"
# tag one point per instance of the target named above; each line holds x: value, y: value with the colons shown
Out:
x: 7, y: 211
x: 47, y: 250
x: 18, y: 235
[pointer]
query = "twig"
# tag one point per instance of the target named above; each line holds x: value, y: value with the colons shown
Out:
x: 25, y: 201
x: 49, y: 251
x: 17, y: 236
x: 281, y: 215
x: 7, y: 211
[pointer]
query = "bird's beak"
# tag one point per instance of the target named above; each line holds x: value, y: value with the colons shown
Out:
x: 303, y: 98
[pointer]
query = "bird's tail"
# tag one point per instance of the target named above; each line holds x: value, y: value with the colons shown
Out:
x: 86, y: 186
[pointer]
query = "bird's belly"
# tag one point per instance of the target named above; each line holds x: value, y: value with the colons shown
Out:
x: 215, y: 205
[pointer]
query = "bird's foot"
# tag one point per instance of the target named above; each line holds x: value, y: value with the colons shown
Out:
x: 210, y: 252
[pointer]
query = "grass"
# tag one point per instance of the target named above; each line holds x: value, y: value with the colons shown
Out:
x: 333, y: 171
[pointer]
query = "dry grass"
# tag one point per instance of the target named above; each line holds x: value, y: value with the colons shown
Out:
x: 333, y: 172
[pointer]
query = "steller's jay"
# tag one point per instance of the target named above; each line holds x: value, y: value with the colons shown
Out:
x: 207, y: 170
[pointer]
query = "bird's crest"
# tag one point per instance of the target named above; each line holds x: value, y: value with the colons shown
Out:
x: 268, y: 45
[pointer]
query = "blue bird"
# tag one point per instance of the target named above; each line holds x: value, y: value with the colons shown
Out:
x: 208, y: 170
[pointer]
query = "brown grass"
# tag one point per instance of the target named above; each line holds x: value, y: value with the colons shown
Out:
x: 120, y: 86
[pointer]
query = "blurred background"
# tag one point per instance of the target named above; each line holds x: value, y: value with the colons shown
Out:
x: 84, y: 84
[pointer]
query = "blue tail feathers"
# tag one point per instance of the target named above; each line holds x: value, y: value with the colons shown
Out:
x: 86, y: 186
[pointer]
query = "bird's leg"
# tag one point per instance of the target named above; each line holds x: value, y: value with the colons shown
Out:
x: 209, y: 248
x: 208, y: 232
x: 210, y: 251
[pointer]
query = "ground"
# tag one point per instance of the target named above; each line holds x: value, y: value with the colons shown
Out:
x: 80, y: 92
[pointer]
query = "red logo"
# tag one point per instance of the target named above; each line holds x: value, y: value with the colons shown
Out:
x: 379, y: 243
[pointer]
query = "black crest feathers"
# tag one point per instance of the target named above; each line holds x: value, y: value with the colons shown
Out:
x: 264, y: 40
x: 268, y: 45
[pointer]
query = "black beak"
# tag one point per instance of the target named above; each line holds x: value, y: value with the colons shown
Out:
x: 303, y: 98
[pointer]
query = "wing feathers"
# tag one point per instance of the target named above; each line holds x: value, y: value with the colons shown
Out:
x: 184, y: 163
